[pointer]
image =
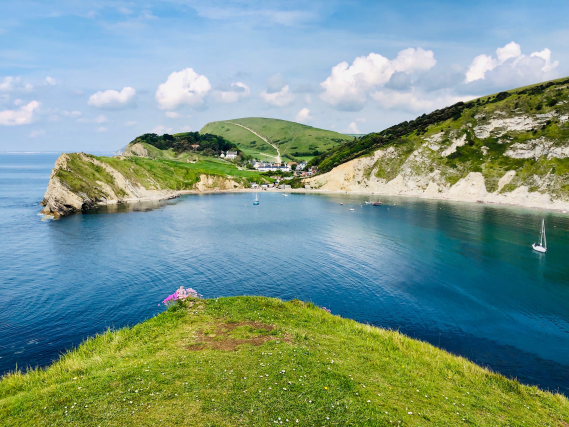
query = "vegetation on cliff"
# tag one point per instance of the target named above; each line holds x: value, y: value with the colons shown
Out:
x: 80, y: 181
x: 259, y: 361
x: 515, y: 140
x: 536, y: 99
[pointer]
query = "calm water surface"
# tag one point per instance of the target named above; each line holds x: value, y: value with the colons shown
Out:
x: 461, y: 276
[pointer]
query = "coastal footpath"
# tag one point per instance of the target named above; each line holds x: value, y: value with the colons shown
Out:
x: 255, y: 361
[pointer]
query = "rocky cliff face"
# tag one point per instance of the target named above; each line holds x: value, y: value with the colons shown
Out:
x: 80, y: 182
x: 513, y: 150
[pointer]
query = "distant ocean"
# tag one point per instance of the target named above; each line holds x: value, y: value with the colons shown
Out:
x: 461, y: 276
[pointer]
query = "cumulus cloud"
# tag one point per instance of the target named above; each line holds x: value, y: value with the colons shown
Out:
x: 280, y: 98
x: 161, y: 129
x: 237, y: 91
x: 185, y: 87
x: 74, y: 114
x: 348, y: 85
x: 303, y: 116
x: 113, y: 99
x: 50, y: 81
x: 172, y: 114
x: 353, y: 127
x: 510, y: 61
x: 37, y: 133
x: 415, y: 100
x: 10, y: 84
x: 21, y: 116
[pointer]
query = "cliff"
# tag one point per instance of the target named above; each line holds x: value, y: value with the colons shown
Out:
x: 253, y: 361
x: 510, y: 148
x: 80, y: 182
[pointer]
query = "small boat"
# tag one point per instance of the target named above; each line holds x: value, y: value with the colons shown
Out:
x: 352, y: 209
x: 542, y: 245
x: 256, y: 202
x: 377, y: 204
x: 367, y: 202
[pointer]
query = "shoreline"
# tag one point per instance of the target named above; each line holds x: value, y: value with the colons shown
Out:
x: 176, y: 194
x: 366, y: 193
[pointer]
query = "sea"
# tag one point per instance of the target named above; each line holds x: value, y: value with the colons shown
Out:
x: 460, y: 276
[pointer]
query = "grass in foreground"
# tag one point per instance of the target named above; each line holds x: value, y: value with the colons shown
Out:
x: 258, y: 361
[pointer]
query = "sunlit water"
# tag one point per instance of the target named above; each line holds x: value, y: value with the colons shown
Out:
x: 461, y: 276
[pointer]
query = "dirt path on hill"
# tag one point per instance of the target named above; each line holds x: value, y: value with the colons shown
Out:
x: 278, y: 156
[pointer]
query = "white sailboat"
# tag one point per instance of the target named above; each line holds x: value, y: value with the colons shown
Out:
x: 542, y: 245
x: 256, y: 202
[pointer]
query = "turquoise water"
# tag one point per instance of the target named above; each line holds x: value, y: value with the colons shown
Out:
x: 461, y: 276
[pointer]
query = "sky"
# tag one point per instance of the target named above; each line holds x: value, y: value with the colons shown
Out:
x: 91, y: 75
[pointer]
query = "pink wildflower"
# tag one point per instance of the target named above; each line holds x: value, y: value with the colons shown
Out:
x: 182, y: 294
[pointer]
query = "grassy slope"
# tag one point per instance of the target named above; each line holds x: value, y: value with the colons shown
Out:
x: 531, y: 100
x: 161, y: 172
x: 258, y: 361
x: 295, y: 140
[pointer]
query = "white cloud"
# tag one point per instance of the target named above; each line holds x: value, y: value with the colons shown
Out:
x: 266, y: 16
x: 50, y: 81
x: 479, y: 67
x: 10, y: 84
x: 185, y: 87
x: 113, y: 99
x: 161, y: 129
x: 303, y: 116
x: 74, y: 114
x: 37, y: 133
x: 348, y: 86
x: 22, y: 116
x: 511, y: 61
x: 238, y: 91
x: 280, y: 98
x: 172, y: 114
x: 415, y: 100
x: 353, y: 127
x: 511, y: 50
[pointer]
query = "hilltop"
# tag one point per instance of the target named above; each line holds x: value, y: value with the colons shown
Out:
x: 260, y: 361
x: 264, y: 138
x: 510, y: 147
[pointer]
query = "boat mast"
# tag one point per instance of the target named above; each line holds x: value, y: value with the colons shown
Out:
x: 543, y: 237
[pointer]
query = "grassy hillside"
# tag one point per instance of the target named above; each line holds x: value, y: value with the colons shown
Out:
x: 160, y: 173
x: 252, y: 361
x: 524, y: 130
x: 294, y: 140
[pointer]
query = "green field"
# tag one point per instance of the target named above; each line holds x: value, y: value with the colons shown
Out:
x: 253, y: 361
x: 295, y: 141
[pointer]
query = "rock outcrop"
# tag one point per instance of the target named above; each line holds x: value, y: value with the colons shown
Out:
x: 80, y: 182
x: 510, y: 148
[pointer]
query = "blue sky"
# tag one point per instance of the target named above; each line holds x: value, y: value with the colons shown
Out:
x: 92, y: 75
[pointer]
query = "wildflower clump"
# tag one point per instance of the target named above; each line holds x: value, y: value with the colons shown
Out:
x: 181, y: 294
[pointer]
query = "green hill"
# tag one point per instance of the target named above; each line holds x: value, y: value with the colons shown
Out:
x: 253, y: 361
x: 260, y: 137
x: 508, y: 146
